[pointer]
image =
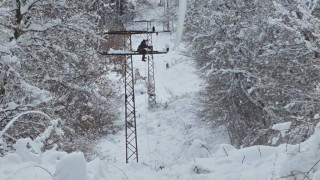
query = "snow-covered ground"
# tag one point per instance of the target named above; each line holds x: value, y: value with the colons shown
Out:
x: 172, y: 142
x: 166, y: 133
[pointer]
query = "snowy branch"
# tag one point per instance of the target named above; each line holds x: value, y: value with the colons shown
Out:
x: 18, y: 116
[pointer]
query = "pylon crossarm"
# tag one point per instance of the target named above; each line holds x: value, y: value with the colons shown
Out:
x: 146, y: 20
x: 123, y: 53
x: 134, y: 32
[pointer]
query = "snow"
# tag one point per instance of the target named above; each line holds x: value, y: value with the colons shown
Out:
x: 43, y: 27
x: 112, y: 51
x: 315, y: 4
x: 39, y: 95
x: 282, y: 127
x: 11, y: 106
x: 9, y: 124
x: 289, y: 106
x: 37, y: 27
x: 198, y: 149
x: 25, y: 8
x: 275, y: 140
x: 25, y: 153
x: 224, y: 163
x: 72, y: 167
x: 44, y: 135
x: 9, y: 59
x: 181, y: 17
x: 4, y: 10
x: 173, y: 142
x: 251, y: 90
x: 4, y: 49
x: 316, y: 176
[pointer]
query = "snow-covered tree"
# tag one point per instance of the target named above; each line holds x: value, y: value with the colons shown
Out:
x: 261, y: 61
x: 50, y: 63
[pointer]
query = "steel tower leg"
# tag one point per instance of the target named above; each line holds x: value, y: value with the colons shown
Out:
x: 130, y: 109
x: 151, y: 81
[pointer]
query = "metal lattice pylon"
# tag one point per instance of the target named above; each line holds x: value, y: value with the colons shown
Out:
x: 166, y: 21
x: 151, y: 82
x: 130, y: 112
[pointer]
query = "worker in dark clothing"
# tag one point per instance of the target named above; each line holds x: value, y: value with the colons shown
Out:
x: 153, y: 29
x: 142, y: 49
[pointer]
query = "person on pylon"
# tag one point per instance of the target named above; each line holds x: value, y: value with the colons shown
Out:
x: 142, y: 49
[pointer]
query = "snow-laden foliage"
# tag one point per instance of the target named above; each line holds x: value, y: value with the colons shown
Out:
x: 49, y: 63
x: 261, y: 62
